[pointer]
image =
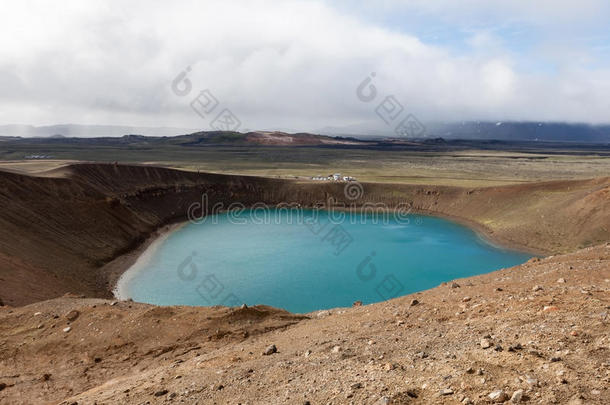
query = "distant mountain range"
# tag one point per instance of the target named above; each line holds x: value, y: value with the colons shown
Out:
x: 521, y: 131
x: 468, y: 130
x: 201, y: 138
x: 484, y: 130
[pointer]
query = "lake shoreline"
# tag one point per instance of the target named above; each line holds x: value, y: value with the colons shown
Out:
x: 125, y: 204
x: 488, y: 235
x: 481, y: 230
x: 125, y: 267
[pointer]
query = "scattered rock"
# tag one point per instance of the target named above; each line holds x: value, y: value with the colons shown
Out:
x: 514, y: 348
x: 357, y: 304
x: 323, y: 314
x: 2, y: 386
x: 561, y: 280
x: 412, y: 393
x: 498, y: 348
x: 46, y: 377
x: 161, y: 393
x: 67, y: 329
x: 243, y: 306
x: 270, y: 350
x: 531, y: 380
x: 414, y: 302
x: 516, y: 397
x: 72, y: 315
x: 498, y: 289
x: 550, y: 338
x: 383, y: 401
x: 537, y: 288
x: 576, y: 401
x: 498, y: 396
x: 535, y: 353
x: 422, y: 355
x: 550, y: 308
x: 454, y: 285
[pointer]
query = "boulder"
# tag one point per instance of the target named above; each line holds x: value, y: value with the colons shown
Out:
x: 270, y: 350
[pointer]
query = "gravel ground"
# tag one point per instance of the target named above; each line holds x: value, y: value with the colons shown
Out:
x: 536, y: 333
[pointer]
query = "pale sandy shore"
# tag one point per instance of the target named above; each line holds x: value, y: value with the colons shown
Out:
x: 124, y: 268
x: 143, y: 256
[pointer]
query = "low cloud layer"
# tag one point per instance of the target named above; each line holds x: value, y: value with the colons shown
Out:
x: 295, y: 65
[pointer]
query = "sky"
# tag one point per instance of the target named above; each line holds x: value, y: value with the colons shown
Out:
x: 298, y: 65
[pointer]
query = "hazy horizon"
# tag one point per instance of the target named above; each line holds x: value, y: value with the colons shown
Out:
x: 466, y: 130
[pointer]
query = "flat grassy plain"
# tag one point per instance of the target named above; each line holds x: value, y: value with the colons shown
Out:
x: 467, y: 165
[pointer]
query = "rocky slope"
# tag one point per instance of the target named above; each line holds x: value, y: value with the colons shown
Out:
x: 538, y: 333
x: 60, y: 230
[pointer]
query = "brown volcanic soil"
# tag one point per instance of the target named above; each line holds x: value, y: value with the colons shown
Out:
x: 283, y: 138
x: 58, y: 233
x: 546, y: 321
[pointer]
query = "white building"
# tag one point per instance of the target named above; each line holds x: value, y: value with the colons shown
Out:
x: 333, y: 177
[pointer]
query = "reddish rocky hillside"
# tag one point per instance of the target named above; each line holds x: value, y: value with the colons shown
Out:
x: 58, y: 233
x: 537, y: 333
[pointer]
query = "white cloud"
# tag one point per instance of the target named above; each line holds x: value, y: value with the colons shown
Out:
x: 287, y: 64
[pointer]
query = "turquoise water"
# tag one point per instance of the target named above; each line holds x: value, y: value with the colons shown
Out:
x: 305, y: 262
